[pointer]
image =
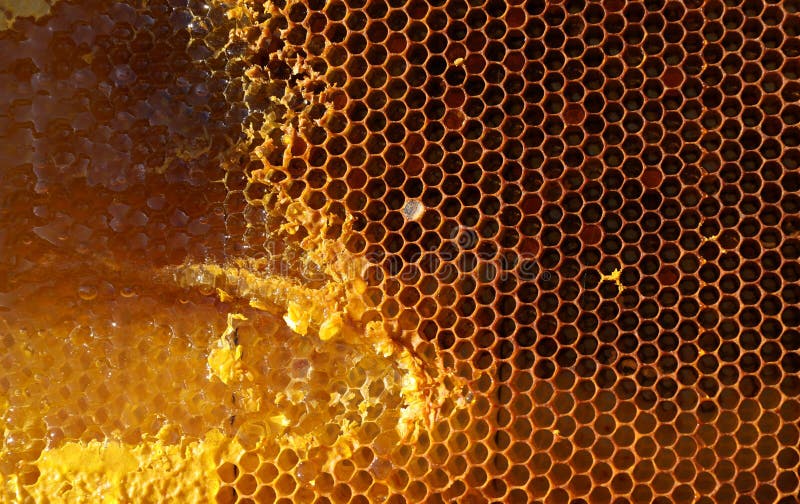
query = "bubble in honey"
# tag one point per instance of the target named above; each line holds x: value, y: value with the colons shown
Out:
x: 87, y: 292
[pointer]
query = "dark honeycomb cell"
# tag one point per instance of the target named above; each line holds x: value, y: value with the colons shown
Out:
x: 629, y: 151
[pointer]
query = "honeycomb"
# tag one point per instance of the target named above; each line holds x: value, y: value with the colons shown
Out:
x: 354, y: 251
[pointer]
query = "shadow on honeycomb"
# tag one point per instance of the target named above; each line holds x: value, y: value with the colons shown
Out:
x: 400, y: 251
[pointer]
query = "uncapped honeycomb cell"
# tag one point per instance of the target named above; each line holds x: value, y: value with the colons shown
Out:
x: 354, y: 251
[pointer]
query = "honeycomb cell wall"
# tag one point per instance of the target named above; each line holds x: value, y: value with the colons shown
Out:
x: 579, y: 220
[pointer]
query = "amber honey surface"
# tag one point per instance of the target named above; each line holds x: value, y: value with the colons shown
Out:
x: 399, y: 251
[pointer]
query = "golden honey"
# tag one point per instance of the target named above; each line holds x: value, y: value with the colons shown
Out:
x: 399, y: 251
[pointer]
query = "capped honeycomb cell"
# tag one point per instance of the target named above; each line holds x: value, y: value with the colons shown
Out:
x: 400, y: 250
